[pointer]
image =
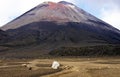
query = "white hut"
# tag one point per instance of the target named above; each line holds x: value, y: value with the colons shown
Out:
x: 55, y: 65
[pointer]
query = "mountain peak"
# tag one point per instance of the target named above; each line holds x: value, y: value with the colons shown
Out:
x: 64, y: 2
x: 60, y: 12
x: 48, y: 2
x: 61, y: 3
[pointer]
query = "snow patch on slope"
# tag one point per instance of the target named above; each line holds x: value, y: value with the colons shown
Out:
x: 72, y: 6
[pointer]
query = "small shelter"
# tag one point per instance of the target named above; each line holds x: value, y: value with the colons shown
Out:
x: 55, y: 65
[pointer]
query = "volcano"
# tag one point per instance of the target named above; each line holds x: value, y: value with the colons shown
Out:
x: 52, y: 25
x: 3, y: 36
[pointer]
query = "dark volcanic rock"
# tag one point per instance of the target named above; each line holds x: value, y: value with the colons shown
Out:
x: 3, y: 36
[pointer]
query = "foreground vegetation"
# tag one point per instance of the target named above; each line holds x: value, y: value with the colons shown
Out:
x: 9, y: 68
x: 70, y: 67
x: 104, y: 50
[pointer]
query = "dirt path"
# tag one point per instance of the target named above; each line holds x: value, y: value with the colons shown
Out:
x: 9, y: 66
x: 75, y: 67
x: 80, y: 68
x: 33, y: 64
x: 71, y: 69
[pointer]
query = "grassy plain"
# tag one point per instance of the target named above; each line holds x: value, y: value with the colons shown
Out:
x: 70, y: 67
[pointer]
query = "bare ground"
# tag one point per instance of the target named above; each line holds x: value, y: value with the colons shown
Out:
x: 70, y: 67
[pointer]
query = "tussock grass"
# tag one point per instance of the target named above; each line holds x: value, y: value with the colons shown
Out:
x: 25, y: 72
x: 113, y: 72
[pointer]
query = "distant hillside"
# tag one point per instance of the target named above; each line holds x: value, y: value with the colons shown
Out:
x: 105, y: 50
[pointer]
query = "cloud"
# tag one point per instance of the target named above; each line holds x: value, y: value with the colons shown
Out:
x: 112, y: 17
x: 107, y: 10
x: 111, y: 14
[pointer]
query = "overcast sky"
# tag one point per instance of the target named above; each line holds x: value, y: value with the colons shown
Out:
x: 107, y: 10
